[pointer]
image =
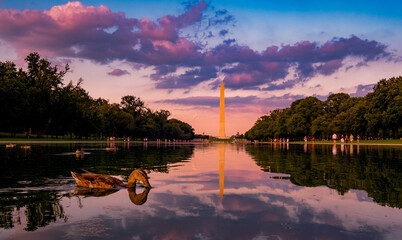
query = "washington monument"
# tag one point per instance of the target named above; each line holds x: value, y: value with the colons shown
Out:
x: 222, y: 134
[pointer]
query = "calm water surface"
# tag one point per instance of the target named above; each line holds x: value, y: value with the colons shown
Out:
x: 215, y: 191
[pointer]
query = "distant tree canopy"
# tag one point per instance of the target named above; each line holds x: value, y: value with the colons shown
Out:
x: 378, y: 114
x: 37, y: 101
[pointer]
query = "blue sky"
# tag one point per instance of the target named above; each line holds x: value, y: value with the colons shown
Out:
x: 173, y: 55
x: 383, y: 9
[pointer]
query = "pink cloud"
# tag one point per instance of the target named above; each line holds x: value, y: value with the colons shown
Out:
x: 243, y: 79
x: 98, y: 34
x: 151, y: 30
x: 75, y: 15
x: 168, y: 52
x: 69, y: 30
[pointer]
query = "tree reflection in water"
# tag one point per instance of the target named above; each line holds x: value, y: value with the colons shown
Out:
x: 39, y: 207
x: 43, y: 207
x: 373, y: 169
x: 186, y: 201
x: 47, y: 166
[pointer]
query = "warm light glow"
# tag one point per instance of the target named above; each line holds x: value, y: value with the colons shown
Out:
x: 221, y: 169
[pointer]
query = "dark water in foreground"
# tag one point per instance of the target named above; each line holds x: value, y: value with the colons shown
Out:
x: 217, y: 191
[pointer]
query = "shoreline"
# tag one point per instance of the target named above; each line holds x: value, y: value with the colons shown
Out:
x: 92, y: 141
x: 188, y: 143
x: 338, y: 143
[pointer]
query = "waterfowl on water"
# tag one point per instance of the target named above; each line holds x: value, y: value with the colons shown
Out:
x: 94, y: 180
x: 79, y: 151
x: 111, y: 149
x: 26, y: 147
x: 10, y: 145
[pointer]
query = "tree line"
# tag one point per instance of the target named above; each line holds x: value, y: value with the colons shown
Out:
x: 377, y: 115
x: 37, y: 101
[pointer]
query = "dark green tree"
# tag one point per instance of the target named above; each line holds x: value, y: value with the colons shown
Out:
x: 13, y: 98
x: 385, y: 108
x: 43, y: 81
x: 377, y: 114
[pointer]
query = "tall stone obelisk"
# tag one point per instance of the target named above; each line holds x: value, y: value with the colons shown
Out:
x: 222, y: 114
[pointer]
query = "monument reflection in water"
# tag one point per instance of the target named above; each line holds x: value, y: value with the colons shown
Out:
x: 216, y: 191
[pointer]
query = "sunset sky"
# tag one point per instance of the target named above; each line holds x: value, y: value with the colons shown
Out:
x: 174, y: 54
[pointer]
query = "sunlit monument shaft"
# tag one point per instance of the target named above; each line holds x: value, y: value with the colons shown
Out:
x: 222, y: 113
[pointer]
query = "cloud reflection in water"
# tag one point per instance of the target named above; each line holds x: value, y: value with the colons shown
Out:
x: 186, y: 203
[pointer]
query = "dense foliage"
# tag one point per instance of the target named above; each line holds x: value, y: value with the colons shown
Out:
x: 36, y: 101
x: 378, y: 114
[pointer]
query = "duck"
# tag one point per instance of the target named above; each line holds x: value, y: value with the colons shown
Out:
x: 79, y: 151
x: 26, y: 147
x: 11, y: 145
x: 94, y: 180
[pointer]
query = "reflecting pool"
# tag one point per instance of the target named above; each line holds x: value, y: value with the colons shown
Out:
x: 210, y: 191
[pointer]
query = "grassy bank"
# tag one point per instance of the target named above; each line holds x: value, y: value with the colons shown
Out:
x: 67, y: 139
x: 49, y: 139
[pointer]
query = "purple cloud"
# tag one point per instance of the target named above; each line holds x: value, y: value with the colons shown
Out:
x: 310, y: 59
x: 118, y: 72
x: 100, y: 35
x: 223, y: 32
x: 281, y: 86
x: 162, y: 70
x: 194, y: 101
x: 330, y: 67
x: 222, y: 16
x: 229, y: 41
x: 363, y: 90
x: 236, y: 102
x: 189, y: 78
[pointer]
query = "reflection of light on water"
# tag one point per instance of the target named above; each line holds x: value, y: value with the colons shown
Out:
x: 71, y: 153
x: 221, y: 169
x: 347, y: 149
